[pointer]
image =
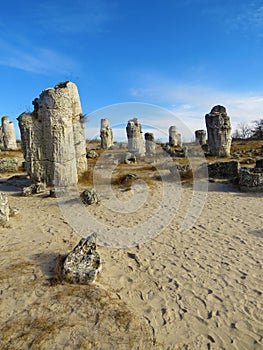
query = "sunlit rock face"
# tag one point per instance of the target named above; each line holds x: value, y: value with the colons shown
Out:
x: 7, y: 135
x: 218, y: 131
x: 53, y: 136
x: 106, y: 134
x: 149, y: 143
x: 135, y: 137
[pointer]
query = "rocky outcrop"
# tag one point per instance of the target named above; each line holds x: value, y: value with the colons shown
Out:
x: 89, y: 196
x: 82, y: 264
x: 53, y: 137
x: 135, y: 137
x: 200, y: 137
x: 149, y: 143
x: 219, y: 132
x: 106, y: 134
x: 7, y: 135
x: 224, y: 170
x: 251, y: 179
x: 128, y: 158
x: 174, y: 137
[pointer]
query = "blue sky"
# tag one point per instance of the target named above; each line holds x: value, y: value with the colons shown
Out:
x: 182, y: 55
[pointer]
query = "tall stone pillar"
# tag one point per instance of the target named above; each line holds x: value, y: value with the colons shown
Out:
x: 149, y: 143
x: 53, y: 136
x: 106, y: 134
x: 135, y: 137
x: 200, y: 137
x: 8, y: 134
x: 173, y: 136
x: 219, y: 132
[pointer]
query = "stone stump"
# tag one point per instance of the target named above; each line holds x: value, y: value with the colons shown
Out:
x: 219, y: 132
x: 53, y: 137
x: 200, y: 137
x: 7, y: 135
x: 135, y: 137
x: 149, y: 143
x: 106, y: 134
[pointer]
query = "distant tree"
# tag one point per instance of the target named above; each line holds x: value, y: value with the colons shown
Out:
x: 243, y: 131
x: 257, y: 132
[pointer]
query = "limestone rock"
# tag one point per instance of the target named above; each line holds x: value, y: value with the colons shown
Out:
x: 251, y: 179
x: 36, y: 188
x: 53, y: 136
x: 219, y: 132
x: 91, y: 155
x: 82, y: 264
x: 8, y: 165
x: 259, y: 163
x: 106, y: 134
x: 174, y: 137
x: 224, y: 170
x: 149, y: 143
x: 4, y: 209
x: 7, y: 135
x: 128, y: 158
x: 200, y: 137
x: 89, y: 196
x: 135, y: 138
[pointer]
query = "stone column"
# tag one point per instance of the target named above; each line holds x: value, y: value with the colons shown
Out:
x: 53, y: 136
x: 106, y: 134
x: 173, y: 136
x: 149, y: 143
x: 219, y: 132
x: 200, y: 137
x: 135, y: 138
x: 9, y: 135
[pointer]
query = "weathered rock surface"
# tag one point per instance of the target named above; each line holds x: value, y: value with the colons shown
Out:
x: 106, y: 134
x: 89, y: 196
x: 53, y: 136
x: 224, y: 170
x: 91, y: 154
x: 251, y: 179
x: 174, y: 137
x: 8, y: 165
x: 4, y: 209
x: 149, y: 143
x: 36, y: 188
x: 7, y: 135
x: 128, y: 158
x: 82, y: 264
x: 135, y: 137
x: 200, y: 137
x: 219, y: 132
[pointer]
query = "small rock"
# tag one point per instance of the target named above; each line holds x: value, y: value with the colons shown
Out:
x: 89, y: 196
x: 92, y: 154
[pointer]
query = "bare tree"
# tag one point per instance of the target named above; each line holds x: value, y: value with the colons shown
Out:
x: 243, y: 131
x: 257, y: 132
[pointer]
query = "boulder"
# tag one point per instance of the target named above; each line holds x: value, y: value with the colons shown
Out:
x: 224, y: 170
x: 135, y: 137
x: 36, y: 188
x: 251, y: 179
x: 53, y: 138
x: 89, y: 196
x: 128, y: 158
x: 174, y: 138
x: 91, y: 155
x: 82, y: 264
x: 219, y: 132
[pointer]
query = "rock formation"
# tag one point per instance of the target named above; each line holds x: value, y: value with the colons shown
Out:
x: 175, y: 139
x: 135, y: 137
x: 82, y: 264
x: 7, y: 135
x: 200, y: 137
x: 149, y: 143
x: 219, y: 132
x: 53, y: 136
x: 4, y: 208
x: 106, y: 134
x: 8, y: 165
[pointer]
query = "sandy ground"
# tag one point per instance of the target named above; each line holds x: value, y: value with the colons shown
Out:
x: 199, y: 289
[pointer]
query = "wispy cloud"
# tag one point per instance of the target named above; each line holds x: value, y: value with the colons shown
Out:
x: 32, y: 59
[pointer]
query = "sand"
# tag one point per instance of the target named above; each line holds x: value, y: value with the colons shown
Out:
x: 199, y: 289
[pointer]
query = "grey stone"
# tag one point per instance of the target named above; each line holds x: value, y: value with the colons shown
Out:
x: 36, y: 188
x: 173, y: 136
x: 92, y: 154
x: 53, y: 137
x: 4, y: 209
x: 251, y: 179
x: 149, y: 143
x: 219, y: 132
x: 128, y: 158
x: 184, y: 168
x: 82, y: 264
x: 7, y: 135
x: 200, y: 137
x: 106, y: 134
x: 135, y: 137
x: 89, y: 196
x: 224, y: 170
x: 8, y: 165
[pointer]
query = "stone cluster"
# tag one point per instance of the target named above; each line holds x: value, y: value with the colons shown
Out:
x: 53, y: 137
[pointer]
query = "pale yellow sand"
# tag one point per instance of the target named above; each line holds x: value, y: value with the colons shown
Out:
x: 201, y: 289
